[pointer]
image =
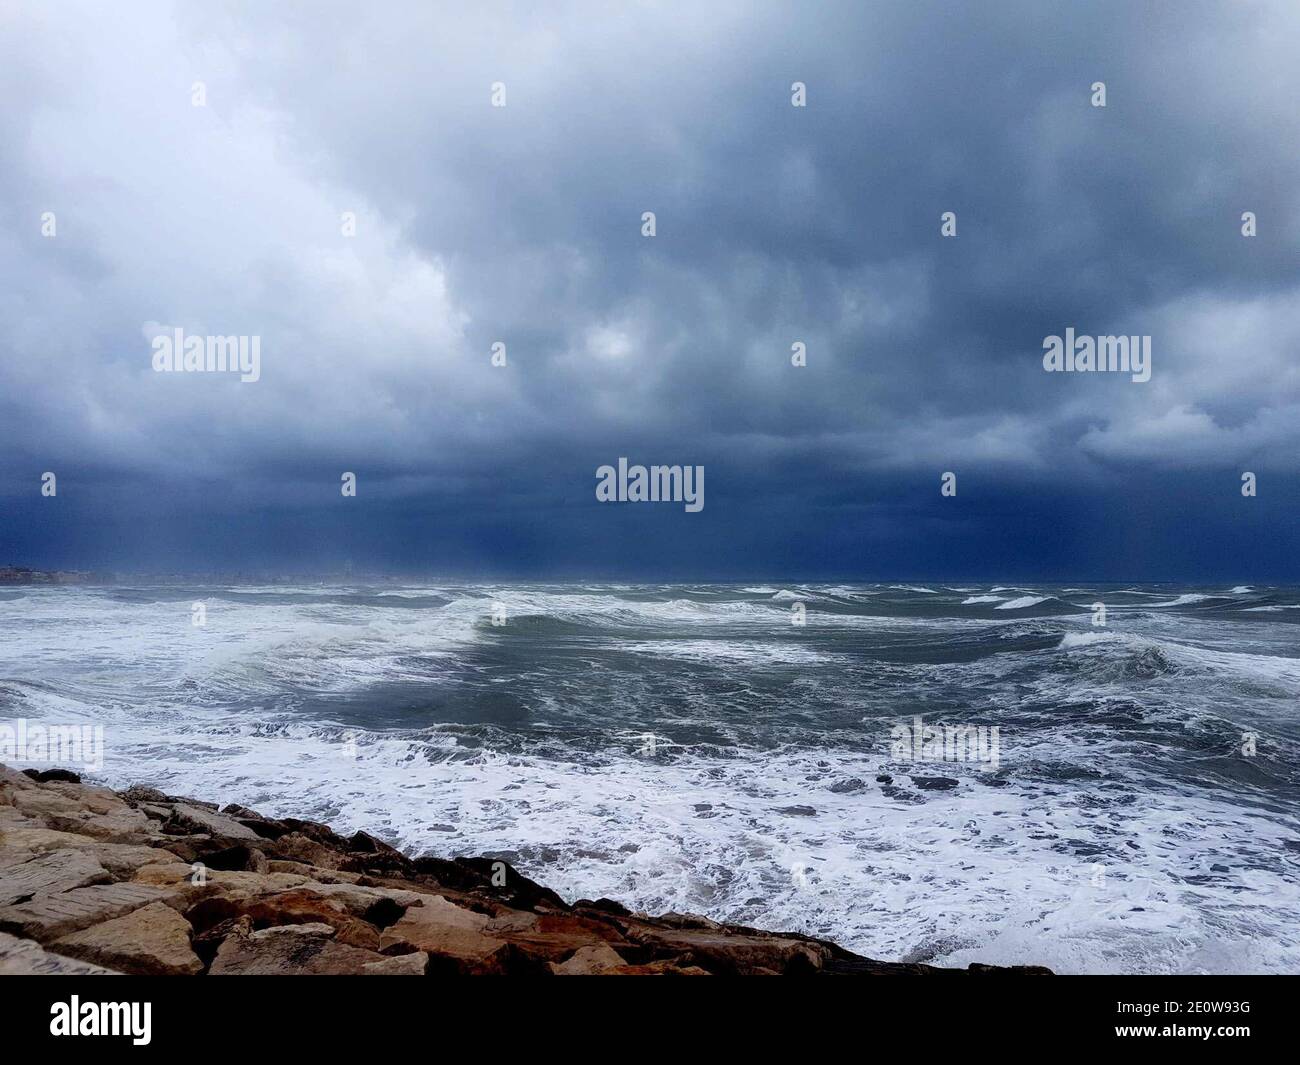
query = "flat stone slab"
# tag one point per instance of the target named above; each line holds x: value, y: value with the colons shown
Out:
x: 151, y: 941
x: 201, y: 820
x: 51, y: 916
x: 48, y: 874
x: 22, y: 957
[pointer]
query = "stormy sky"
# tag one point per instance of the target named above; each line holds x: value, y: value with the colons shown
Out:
x: 774, y: 224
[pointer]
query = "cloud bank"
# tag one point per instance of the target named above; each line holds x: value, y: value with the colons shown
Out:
x: 522, y: 225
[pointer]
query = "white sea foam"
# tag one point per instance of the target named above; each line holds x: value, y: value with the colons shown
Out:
x: 1087, y: 639
x: 1023, y: 601
x: 974, y: 599
x: 1185, y: 600
x: 753, y: 655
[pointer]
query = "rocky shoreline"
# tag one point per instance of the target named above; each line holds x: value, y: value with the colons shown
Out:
x: 94, y: 881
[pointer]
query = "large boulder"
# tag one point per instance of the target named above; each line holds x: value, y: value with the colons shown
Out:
x: 452, y: 936
x: 49, y: 873
x: 151, y: 941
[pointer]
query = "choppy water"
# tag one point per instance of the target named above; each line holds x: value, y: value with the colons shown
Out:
x: 1122, y: 830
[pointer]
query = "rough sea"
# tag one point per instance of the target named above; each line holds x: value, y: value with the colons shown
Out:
x: 693, y: 748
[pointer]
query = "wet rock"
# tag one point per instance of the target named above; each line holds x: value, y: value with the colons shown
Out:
x: 731, y: 953
x: 604, y: 906
x: 510, y: 885
x: 934, y: 783
x: 44, y: 776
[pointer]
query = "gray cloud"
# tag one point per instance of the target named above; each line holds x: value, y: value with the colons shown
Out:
x: 521, y: 224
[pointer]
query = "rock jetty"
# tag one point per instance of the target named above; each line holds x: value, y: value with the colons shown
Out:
x: 138, y: 882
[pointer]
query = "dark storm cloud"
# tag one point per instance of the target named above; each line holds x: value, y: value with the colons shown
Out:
x: 775, y: 224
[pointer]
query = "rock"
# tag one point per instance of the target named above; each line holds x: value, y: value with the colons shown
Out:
x: 123, y: 859
x: 138, y: 794
x: 368, y: 844
x: 10, y: 817
x: 129, y: 826
x: 315, y: 872
x: 39, y: 838
x: 604, y: 906
x: 402, y: 965
x: 741, y: 952
x: 19, y: 843
x: 517, y: 890
x: 448, y: 933
x: 589, y: 961
x: 305, y: 907
x: 239, y: 858
x: 12, y: 780
x: 47, y: 917
x: 42, y: 802
x: 199, y: 819
x: 151, y: 941
x: 263, y: 826
x: 294, y: 846
x: 934, y: 783
x: 49, y: 873
x: 667, y: 967
x: 241, y: 886
x: 378, y: 905
x: 550, y: 937
x: 163, y: 874
x: 305, y: 949
x: 45, y: 775
x: 23, y: 957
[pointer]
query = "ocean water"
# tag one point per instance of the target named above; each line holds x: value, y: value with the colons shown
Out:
x: 690, y: 748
